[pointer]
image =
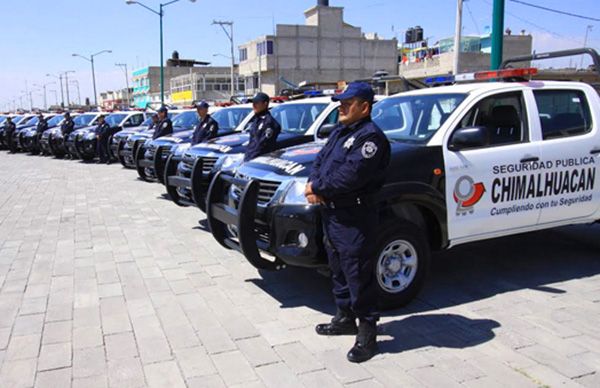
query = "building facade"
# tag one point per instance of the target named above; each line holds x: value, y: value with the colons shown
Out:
x: 475, y: 55
x: 323, y: 50
x: 206, y: 83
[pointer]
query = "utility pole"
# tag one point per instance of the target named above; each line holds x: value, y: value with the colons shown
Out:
x: 66, y: 73
x: 457, y: 36
x: 230, y: 36
x: 588, y: 28
x: 124, y: 67
x: 59, y: 78
x: 497, y: 34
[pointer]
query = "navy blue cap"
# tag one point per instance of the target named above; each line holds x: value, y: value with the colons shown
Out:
x: 361, y: 90
x: 162, y: 109
x: 260, y: 97
x: 202, y: 104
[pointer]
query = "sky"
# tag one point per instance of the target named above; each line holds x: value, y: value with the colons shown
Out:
x: 39, y: 36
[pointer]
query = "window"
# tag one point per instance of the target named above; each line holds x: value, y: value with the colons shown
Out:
x: 504, y: 117
x: 136, y: 120
x: 264, y: 48
x: 333, y: 117
x: 243, y: 54
x: 297, y: 118
x: 414, y: 118
x: 563, y: 113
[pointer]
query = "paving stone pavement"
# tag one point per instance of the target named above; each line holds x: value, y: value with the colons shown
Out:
x: 106, y: 283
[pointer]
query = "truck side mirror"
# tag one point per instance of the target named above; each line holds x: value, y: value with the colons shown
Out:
x: 325, y: 130
x: 471, y: 137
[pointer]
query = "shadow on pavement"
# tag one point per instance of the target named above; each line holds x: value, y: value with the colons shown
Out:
x: 467, y: 273
x: 438, y: 330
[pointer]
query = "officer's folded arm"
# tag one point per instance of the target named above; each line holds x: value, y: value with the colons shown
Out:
x: 350, y: 174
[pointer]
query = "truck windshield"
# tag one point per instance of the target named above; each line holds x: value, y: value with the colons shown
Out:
x: 187, y: 120
x: 230, y: 118
x: 115, y: 119
x: 297, y: 118
x: 416, y: 118
x: 54, y: 121
x: 32, y: 121
x: 83, y: 120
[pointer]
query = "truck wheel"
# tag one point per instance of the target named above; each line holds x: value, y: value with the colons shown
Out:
x: 170, y: 170
x: 402, y: 263
x: 139, y: 155
x: 119, y: 156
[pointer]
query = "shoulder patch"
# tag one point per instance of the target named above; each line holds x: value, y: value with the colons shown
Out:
x: 268, y: 133
x: 369, y: 149
x: 164, y: 125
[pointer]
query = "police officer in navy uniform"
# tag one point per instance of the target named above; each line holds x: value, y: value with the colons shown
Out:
x: 154, y: 122
x: 9, y: 130
x: 346, y: 174
x: 102, y: 134
x: 164, y: 126
x: 68, y: 125
x: 264, y: 129
x: 207, y: 128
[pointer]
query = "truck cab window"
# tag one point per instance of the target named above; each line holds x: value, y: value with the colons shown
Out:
x: 563, y: 113
x: 503, y: 116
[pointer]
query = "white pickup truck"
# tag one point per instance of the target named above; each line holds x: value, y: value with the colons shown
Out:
x: 469, y: 162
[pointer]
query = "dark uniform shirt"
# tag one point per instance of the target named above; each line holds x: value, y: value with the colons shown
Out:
x: 205, y: 130
x: 42, y: 125
x: 264, y: 130
x: 352, y: 163
x: 163, y: 128
x: 67, y: 126
x: 102, y: 130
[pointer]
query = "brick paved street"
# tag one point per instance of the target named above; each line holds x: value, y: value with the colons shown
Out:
x: 106, y: 283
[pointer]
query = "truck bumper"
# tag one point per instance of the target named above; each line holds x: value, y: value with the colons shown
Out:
x: 291, y: 233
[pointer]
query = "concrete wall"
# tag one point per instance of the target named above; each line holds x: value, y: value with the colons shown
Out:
x: 325, y: 49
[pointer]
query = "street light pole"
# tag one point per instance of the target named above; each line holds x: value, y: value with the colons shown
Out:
x: 588, y: 28
x: 76, y: 83
x: 230, y: 36
x: 62, y: 97
x: 124, y: 67
x: 160, y: 14
x: 66, y: 73
x: 91, y: 60
x: 43, y: 86
x: 457, y: 36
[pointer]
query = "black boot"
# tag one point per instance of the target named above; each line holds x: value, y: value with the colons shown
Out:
x: 343, y: 323
x: 366, y: 343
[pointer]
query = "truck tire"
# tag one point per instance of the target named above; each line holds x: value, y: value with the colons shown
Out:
x: 141, y: 170
x: 402, y: 263
x: 170, y: 170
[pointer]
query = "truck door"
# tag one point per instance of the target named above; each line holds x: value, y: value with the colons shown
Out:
x: 484, y: 188
x: 571, y: 146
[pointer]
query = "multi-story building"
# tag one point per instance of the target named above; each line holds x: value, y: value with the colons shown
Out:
x: 323, y: 50
x: 420, y: 60
x: 205, y: 83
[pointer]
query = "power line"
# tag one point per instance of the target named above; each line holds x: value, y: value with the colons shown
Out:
x: 472, y: 18
x: 555, y: 10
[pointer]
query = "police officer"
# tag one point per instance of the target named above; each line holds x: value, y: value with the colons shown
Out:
x: 154, y: 122
x: 9, y: 130
x: 347, y: 172
x: 264, y: 129
x: 41, y: 127
x: 68, y: 125
x: 164, y: 126
x: 102, y: 134
x: 207, y: 128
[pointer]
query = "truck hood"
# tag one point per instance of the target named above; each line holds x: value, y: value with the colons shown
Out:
x: 230, y: 144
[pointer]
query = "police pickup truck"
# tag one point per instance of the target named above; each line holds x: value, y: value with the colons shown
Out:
x: 230, y: 119
x: 299, y: 120
x: 469, y: 162
x: 57, y: 141
x: 150, y: 168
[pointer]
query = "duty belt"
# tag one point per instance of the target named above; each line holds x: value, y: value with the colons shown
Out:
x: 347, y: 202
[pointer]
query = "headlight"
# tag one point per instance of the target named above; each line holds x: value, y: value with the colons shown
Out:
x: 179, y: 149
x: 230, y: 162
x: 294, y: 195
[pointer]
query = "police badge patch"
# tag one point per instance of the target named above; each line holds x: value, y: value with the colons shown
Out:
x: 369, y: 149
x: 349, y: 143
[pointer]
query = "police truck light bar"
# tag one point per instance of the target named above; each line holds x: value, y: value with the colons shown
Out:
x: 483, y: 75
